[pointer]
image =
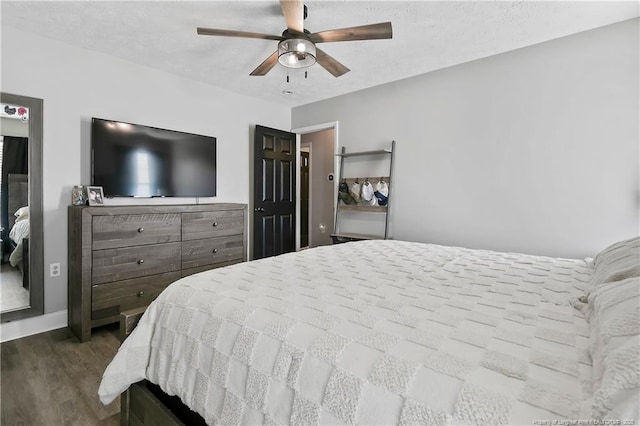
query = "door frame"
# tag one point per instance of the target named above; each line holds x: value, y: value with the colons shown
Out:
x: 299, y: 131
x: 310, y: 212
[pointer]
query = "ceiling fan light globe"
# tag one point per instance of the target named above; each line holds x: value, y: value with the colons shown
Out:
x: 296, y: 53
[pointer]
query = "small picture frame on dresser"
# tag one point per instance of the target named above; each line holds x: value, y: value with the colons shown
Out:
x: 95, y: 196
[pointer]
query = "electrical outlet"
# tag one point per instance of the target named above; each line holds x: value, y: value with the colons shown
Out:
x: 54, y: 269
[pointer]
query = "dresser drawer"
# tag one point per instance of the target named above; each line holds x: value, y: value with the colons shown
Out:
x: 109, y: 300
x: 201, y: 225
x: 191, y: 271
x: 126, y: 230
x: 132, y: 262
x: 210, y: 251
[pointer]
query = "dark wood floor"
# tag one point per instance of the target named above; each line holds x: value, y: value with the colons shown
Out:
x: 52, y: 379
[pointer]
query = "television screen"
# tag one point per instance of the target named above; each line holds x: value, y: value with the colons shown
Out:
x: 130, y: 160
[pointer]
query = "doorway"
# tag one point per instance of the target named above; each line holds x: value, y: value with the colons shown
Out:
x: 304, y: 196
x: 316, y: 211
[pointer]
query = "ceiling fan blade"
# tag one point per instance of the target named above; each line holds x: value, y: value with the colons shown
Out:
x: 327, y: 62
x: 232, y: 33
x: 293, y: 11
x: 267, y: 65
x: 365, y: 32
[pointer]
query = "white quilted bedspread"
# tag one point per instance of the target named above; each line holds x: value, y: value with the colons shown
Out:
x: 372, y: 332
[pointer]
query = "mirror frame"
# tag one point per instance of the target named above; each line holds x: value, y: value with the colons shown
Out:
x: 36, y: 236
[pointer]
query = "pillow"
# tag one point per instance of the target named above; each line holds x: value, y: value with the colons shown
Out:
x: 615, y: 349
x: 22, y: 211
x: 22, y: 214
x: 617, y: 262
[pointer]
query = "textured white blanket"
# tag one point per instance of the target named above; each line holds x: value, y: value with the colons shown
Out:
x: 372, y: 332
x: 19, y: 231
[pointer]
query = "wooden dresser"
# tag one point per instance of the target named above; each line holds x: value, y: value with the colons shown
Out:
x: 122, y: 257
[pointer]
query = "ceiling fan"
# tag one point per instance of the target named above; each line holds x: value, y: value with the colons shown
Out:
x: 297, y: 46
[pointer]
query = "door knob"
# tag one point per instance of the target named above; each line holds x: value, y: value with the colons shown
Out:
x: 140, y: 262
x: 141, y: 230
x: 140, y: 294
x: 215, y: 250
x: 259, y: 209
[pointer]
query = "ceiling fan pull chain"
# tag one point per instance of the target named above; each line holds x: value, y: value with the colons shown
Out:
x: 305, y: 74
x: 287, y: 76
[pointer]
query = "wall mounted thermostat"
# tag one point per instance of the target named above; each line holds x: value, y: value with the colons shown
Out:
x: 330, y: 177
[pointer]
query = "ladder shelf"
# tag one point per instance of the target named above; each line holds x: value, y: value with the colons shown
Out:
x: 340, y: 236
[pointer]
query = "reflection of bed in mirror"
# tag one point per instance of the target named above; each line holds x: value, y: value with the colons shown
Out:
x: 18, y: 186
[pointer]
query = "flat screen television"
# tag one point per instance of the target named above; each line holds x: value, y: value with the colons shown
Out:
x: 131, y: 160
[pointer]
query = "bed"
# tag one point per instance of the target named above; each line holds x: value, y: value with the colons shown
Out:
x: 392, y: 332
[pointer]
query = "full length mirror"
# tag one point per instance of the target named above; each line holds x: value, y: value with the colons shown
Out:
x: 21, y: 240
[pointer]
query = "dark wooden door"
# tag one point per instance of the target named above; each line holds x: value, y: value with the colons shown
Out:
x: 274, y: 199
x: 304, y: 199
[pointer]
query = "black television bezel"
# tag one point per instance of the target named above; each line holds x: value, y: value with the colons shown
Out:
x: 215, y: 140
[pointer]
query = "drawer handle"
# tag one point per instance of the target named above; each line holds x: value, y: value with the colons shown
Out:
x: 140, y: 262
x: 215, y: 250
x: 215, y: 224
x: 141, y: 230
x: 140, y: 294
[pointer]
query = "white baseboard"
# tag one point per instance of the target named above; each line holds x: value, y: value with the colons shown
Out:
x: 36, y: 325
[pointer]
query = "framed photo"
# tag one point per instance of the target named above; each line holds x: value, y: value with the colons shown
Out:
x: 95, y: 196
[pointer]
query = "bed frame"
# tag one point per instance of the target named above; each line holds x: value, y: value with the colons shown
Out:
x: 144, y: 403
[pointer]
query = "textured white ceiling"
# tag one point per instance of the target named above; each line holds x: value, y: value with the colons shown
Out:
x: 427, y: 35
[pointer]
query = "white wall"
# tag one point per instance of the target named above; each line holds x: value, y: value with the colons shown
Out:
x: 77, y: 84
x: 534, y: 150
